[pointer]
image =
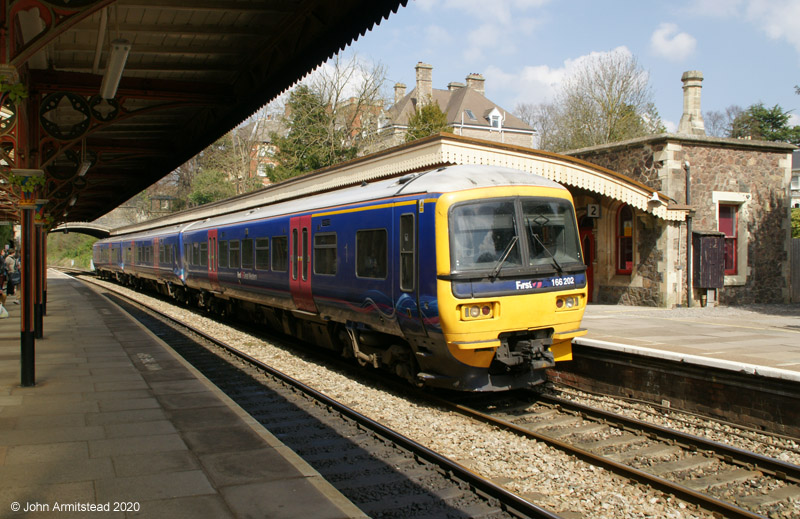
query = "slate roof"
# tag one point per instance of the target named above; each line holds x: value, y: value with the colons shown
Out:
x: 455, y: 104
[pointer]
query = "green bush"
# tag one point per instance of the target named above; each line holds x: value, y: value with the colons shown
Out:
x: 66, y: 250
x: 795, y: 222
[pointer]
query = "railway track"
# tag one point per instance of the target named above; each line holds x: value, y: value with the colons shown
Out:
x: 728, y: 481
x: 381, y: 471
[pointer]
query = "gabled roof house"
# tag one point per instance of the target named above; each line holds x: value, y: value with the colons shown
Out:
x: 469, y: 112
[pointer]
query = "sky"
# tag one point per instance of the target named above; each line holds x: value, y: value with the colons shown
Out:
x: 747, y: 50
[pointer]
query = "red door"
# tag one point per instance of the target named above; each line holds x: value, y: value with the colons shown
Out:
x: 300, y: 255
x: 213, y: 262
x: 587, y: 242
x: 155, y: 252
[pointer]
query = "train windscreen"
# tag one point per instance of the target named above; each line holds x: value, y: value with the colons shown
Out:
x: 514, y: 234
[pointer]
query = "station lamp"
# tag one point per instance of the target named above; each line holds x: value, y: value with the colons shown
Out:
x: 114, y: 68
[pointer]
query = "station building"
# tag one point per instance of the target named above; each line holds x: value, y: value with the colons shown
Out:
x: 738, y: 198
x: 647, y: 240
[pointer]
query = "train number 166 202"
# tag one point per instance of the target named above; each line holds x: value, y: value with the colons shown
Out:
x: 563, y: 282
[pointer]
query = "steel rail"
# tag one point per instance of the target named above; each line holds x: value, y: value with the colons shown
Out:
x: 779, y: 469
x: 707, y: 502
x: 508, y: 500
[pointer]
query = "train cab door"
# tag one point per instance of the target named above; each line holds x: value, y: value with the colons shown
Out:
x: 588, y: 246
x: 213, y: 260
x: 406, y: 287
x: 300, y: 263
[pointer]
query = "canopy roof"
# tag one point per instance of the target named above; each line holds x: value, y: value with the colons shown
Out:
x: 195, y: 69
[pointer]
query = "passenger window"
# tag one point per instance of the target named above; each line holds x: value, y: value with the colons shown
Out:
x: 407, y: 252
x: 233, y: 250
x: 262, y: 253
x: 247, y: 253
x: 223, y: 254
x: 195, y: 254
x: 204, y: 254
x: 371, y: 254
x: 325, y: 253
x: 280, y: 253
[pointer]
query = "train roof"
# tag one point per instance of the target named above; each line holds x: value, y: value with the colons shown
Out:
x: 441, y: 180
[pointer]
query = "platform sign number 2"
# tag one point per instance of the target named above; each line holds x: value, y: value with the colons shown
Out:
x: 593, y: 210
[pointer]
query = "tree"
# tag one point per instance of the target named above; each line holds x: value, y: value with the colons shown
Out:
x: 606, y: 99
x: 720, y: 124
x: 765, y: 124
x: 428, y: 120
x: 210, y: 185
x: 331, y: 118
x: 795, y: 222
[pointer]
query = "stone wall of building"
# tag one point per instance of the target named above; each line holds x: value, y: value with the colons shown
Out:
x: 764, y: 216
x: 636, y: 161
x: 751, y: 174
x: 647, y: 284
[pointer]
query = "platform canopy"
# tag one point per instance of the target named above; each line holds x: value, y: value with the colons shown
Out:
x: 189, y: 71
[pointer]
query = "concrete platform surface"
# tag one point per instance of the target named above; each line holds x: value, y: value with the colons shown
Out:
x: 118, y: 425
x: 763, y: 339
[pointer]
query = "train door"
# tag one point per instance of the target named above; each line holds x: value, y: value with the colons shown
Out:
x: 213, y: 263
x: 300, y: 255
x: 156, y: 243
x: 407, y: 282
x: 587, y: 243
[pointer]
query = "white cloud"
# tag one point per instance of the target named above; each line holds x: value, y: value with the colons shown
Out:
x: 777, y: 18
x: 536, y: 84
x: 668, y: 43
x: 490, y: 24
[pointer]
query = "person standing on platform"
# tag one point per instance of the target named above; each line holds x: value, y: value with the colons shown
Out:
x: 13, y: 273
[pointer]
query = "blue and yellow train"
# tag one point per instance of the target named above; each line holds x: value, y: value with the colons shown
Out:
x: 465, y: 277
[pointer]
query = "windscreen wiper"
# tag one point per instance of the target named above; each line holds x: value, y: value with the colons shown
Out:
x: 503, y: 258
x: 555, y: 262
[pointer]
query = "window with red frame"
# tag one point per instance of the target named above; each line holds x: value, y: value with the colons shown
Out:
x: 624, y: 240
x: 728, y: 216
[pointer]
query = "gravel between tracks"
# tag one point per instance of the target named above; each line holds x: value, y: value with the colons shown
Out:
x: 546, y: 476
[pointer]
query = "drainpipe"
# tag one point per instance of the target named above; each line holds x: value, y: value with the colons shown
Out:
x: 689, y: 291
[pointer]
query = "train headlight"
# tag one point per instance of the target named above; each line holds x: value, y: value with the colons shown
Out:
x: 568, y: 302
x: 477, y: 311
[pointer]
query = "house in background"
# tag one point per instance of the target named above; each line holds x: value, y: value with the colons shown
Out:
x: 469, y: 112
x: 257, y: 136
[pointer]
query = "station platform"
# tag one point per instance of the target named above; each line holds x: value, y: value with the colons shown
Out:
x: 119, y: 421
x: 762, y: 339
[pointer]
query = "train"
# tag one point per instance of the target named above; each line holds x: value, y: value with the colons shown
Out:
x: 467, y: 278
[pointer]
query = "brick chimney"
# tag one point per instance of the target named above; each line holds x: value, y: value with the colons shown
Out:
x: 399, y: 92
x: 424, y: 83
x: 452, y: 87
x: 692, y: 118
x: 475, y: 82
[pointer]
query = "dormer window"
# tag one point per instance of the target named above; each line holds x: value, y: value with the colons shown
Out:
x: 495, y: 118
